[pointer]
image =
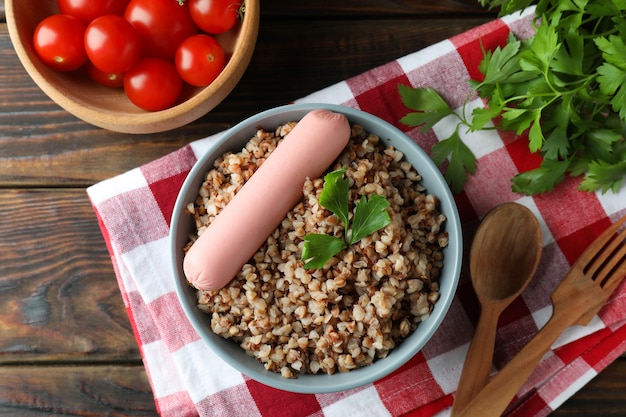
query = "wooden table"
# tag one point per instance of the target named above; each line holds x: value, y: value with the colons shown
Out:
x: 66, y: 345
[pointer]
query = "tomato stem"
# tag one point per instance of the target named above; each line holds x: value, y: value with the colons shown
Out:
x: 242, y: 10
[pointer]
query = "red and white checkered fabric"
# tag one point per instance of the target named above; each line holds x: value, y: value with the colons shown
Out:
x: 134, y: 210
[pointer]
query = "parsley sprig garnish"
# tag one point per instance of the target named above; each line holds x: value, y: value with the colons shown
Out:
x: 369, y: 216
x: 565, y: 87
x: 431, y: 108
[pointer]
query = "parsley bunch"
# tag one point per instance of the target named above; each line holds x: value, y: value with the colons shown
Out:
x: 565, y: 86
x: 369, y: 216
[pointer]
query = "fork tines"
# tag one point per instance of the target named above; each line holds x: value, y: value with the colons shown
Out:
x: 608, y: 263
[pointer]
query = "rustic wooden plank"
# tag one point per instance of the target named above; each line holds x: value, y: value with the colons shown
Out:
x: 113, y: 390
x: 59, y: 299
x: 54, y: 148
x: 375, y: 8
x: 605, y: 395
x: 363, y: 8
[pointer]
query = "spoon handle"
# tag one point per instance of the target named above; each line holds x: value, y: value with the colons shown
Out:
x: 492, y: 400
x: 475, y: 374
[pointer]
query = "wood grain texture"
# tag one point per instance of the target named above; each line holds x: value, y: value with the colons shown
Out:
x: 604, y: 396
x: 104, y: 390
x: 59, y: 149
x: 365, y: 8
x: 59, y: 300
x: 375, y: 8
x: 581, y: 294
x: 66, y: 345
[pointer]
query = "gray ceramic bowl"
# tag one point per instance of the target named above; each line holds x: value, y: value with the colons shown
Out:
x: 182, y: 224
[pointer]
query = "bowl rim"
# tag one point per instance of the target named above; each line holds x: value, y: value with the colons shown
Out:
x: 319, y: 383
x: 144, y: 122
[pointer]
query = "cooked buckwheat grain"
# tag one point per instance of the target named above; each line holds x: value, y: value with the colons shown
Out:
x: 365, y: 301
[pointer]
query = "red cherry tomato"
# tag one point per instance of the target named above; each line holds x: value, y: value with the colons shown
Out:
x: 199, y: 60
x: 88, y: 10
x: 162, y: 25
x: 214, y: 16
x: 58, y: 41
x: 105, y: 78
x: 112, y: 44
x: 153, y: 84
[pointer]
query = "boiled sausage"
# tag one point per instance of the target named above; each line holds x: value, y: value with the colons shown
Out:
x: 259, y: 207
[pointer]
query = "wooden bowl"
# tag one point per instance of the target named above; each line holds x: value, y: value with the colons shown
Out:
x: 110, y: 108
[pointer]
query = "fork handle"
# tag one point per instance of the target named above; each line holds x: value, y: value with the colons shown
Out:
x: 498, y: 393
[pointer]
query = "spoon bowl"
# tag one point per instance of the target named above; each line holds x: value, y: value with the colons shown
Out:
x: 505, y: 253
x: 504, y: 256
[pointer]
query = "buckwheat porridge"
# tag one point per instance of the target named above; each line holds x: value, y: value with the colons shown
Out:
x: 364, y: 301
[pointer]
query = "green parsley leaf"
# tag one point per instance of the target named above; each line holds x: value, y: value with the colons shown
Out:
x: 461, y: 160
x: 555, y: 125
x: 429, y: 105
x: 500, y: 64
x: 612, y: 77
x: 604, y: 176
x: 483, y: 115
x: 507, y: 6
x: 334, y: 195
x: 570, y: 56
x: 604, y: 141
x: 535, y: 134
x: 319, y: 249
x: 542, y: 179
x: 544, y: 46
x: 369, y: 216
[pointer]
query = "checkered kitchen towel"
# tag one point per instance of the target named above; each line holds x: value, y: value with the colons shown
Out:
x: 134, y: 210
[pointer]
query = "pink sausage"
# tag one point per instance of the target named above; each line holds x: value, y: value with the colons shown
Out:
x: 262, y: 203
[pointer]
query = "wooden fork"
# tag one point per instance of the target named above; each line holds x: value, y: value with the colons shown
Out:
x: 578, y: 298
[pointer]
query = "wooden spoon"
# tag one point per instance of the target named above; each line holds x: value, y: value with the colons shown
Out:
x: 504, y: 257
x: 584, y: 290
